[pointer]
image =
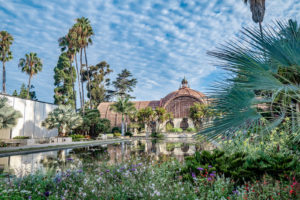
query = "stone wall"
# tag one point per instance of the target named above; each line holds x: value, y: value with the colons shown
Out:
x: 30, y: 124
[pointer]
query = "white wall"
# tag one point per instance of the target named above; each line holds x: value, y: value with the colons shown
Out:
x: 30, y: 124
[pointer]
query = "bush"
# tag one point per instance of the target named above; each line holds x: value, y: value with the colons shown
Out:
x: 156, y: 135
x: 21, y: 137
x: 242, y: 167
x: 117, y: 134
x: 77, y: 137
x: 116, y: 130
x: 3, y: 144
x: 176, y: 130
x: 191, y: 130
x: 128, y: 133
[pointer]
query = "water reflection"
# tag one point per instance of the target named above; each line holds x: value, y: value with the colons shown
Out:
x: 21, y: 165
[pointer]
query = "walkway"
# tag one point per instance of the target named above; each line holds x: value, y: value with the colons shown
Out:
x: 8, y: 151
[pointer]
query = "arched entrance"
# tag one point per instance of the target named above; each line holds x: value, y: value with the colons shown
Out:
x: 184, y: 124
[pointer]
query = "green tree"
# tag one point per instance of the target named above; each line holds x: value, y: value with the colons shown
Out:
x: 64, y: 118
x: 147, y: 117
x: 99, y: 82
x: 31, y: 65
x: 6, y: 40
x: 199, y: 113
x: 237, y: 99
x: 124, y: 107
x: 8, y: 115
x: 63, y: 82
x: 124, y: 84
x: 23, y: 93
x: 161, y: 115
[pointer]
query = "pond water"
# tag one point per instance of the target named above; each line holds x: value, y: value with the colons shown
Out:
x: 21, y: 165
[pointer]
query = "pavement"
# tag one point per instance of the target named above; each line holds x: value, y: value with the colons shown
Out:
x: 8, y: 151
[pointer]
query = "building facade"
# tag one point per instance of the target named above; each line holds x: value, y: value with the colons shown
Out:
x: 177, y: 102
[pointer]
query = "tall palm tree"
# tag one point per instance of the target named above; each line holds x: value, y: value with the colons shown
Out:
x: 6, y: 40
x: 84, y: 32
x: 124, y: 107
x: 31, y: 65
x: 258, y: 9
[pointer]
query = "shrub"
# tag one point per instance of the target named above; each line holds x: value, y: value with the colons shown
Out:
x: 191, y: 130
x: 21, y: 137
x: 117, y: 134
x: 156, y: 135
x: 116, y: 130
x: 77, y: 137
x: 3, y: 144
x: 128, y: 133
x: 176, y: 130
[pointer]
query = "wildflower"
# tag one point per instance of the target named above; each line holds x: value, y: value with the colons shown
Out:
x: 79, y: 171
x: 107, y: 170
x: 193, y: 175
x: 212, y: 175
x: 209, y: 166
x: 200, y: 168
x: 69, y: 159
x: 209, y: 179
x: 47, y: 194
x: 235, y: 192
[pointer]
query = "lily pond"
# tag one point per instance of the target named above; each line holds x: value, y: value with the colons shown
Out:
x: 111, y: 154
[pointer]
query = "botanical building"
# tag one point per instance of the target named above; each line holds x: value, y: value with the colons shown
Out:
x: 177, y: 102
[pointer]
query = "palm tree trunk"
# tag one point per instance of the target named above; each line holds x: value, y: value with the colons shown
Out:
x: 122, y: 128
x: 29, y: 84
x: 76, y: 64
x: 88, y: 77
x: 82, y: 90
x: 3, y: 78
x: 73, y: 85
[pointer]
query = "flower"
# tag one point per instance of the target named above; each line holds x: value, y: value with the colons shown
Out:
x: 209, y: 179
x: 193, y: 175
x: 79, y: 171
x: 107, y: 170
x: 212, y: 175
x: 47, y: 194
x: 200, y: 168
x: 209, y: 166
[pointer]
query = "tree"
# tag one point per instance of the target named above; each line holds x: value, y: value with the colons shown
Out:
x: 258, y: 9
x: 31, y: 65
x: 161, y: 115
x: 124, y: 107
x: 23, y: 93
x: 63, y: 81
x: 8, y: 115
x: 268, y: 64
x: 147, y: 117
x: 124, y: 84
x: 6, y: 40
x: 97, y: 87
x: 64, y: 118
x: 199, y: 113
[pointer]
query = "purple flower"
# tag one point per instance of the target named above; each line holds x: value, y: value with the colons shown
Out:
x: 212, y: 175
x: 235, y: 192
x: 140, y: 164
x: 107, y: 170
x: 29, y: 197
x: 209, y: 166
x: 47, y: 194
x: 209, y: 179
x: 200, y: 168
x: 79, y: 171
x: 133, y: 169
x: 193, y: 175
x: 69, y: 159
x: 214, y: 172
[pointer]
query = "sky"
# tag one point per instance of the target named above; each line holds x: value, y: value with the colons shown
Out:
x: 159, y: 41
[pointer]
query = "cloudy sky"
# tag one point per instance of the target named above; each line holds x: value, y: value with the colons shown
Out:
x: 159, y: 41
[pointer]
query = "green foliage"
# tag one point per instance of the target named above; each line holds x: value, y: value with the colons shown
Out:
x: 128, y: 133
x: 200, y: 113
x: 176, y: 130
x: 63, y: 81
x: 157, y: 135
x: 23, y: 93
x: 77, y: 137
x: 115, y: 130
x: 64, y: 118
x: 161, y: 115
x: 146, y: 116
x: 92, y: 124
x: 242, y: 167
x: 117, y: 134
x: 22, y: 137
x: 191, y: 130
x: 124, y: 84
x: 264, y: 81
x: 169, y: 126
x: 8, y: 115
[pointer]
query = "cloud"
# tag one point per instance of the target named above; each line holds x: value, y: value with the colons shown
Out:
x: 158, y: 41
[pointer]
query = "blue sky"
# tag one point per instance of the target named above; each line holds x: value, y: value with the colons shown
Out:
x: 159, y: 41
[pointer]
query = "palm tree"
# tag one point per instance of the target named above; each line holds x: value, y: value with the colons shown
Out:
x: 258, y: 9
x: 31, y: 65
x: 8, y: 115
x: 276, y: 73
x: 146, y: 116
x: 84, y: 32
x: 124, y: 107
x: 6, y: 40
x: 64, y: 118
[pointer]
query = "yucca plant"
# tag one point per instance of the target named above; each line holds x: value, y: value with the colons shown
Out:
x: 263, y: 86
x: 64, y: 118
x: 8, y: 115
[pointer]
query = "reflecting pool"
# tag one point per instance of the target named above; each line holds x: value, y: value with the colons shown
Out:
x: 158, y: 150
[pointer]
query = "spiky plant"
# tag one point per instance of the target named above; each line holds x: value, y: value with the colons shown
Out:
x: 8, y: 115
x: 264, y: 87
x: 64, y: 118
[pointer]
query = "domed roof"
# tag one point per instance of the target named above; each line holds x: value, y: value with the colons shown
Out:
x: 184, y: 91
